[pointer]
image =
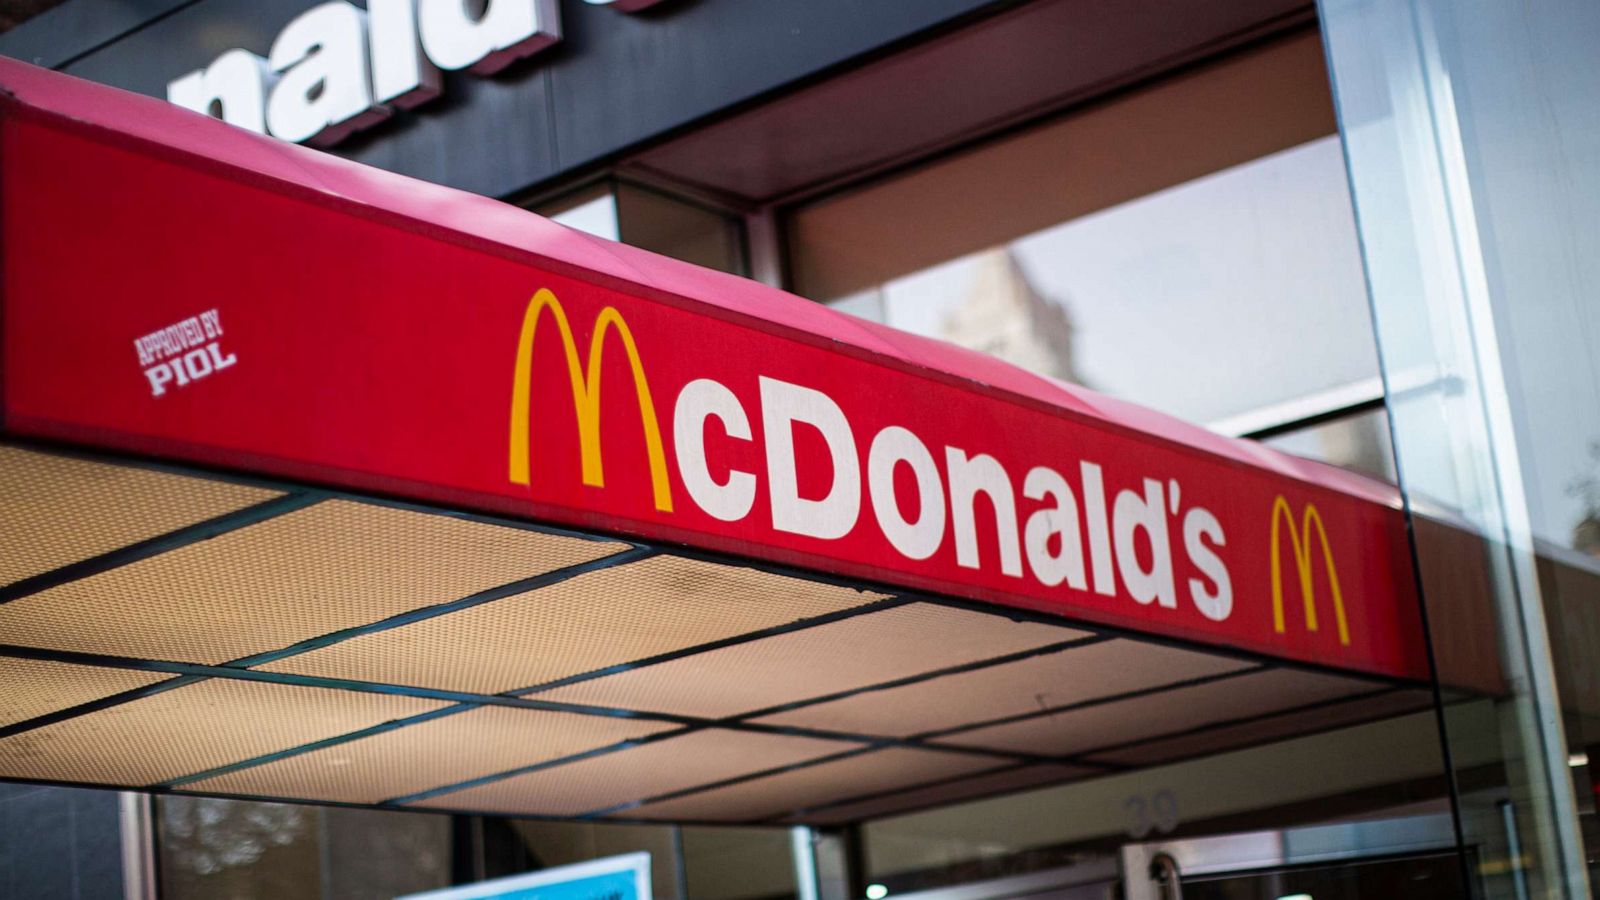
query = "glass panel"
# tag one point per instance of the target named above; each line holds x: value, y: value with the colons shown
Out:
x: 1424, y: 878
x: 738, y: 863
x: 1207, y: 267
x: 225, y: 849
x: 592, y: 210
x: 1471, y: 130
x: 216, y: 848
x: 656, y: 221
x: 1210, y: 298
x: 235, y: 851
x: 680, y: 229
x: 372, y: 855
x: 702, y: 863
x: 1359, y: 442
x: 530, y: 846
x: 61, y: 842
x: 1381, y: 772
x: 1183, y: 128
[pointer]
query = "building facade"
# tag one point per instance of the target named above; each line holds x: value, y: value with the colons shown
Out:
x: 1358, y: 231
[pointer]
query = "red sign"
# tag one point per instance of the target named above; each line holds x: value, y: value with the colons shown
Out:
x: 289, y: 313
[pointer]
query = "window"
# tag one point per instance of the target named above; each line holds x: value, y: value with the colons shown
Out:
x: 654, y: 220
x: 1189, y: 247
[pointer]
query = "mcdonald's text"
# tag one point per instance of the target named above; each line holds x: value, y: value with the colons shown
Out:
x: 1129, y: 539
x: 338, y: 68
x: 528, y: 373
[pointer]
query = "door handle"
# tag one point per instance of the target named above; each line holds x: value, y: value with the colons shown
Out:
x: 1164, y: 872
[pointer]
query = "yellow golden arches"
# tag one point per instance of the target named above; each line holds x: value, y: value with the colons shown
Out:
x: 585, y: 381
x: 1300, y: 543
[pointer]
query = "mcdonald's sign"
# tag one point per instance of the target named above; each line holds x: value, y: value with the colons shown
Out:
x: 1300, y: 545
x: 584, y: 375
x: 772, y: 430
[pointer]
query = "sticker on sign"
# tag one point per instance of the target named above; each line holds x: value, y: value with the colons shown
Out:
x: 183, y: 352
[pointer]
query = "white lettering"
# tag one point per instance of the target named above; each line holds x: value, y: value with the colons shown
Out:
x: 160, y: 376
x: 968, y: 478
x: 233, y: 88
x: 892, y: 446
x: 1129, y: 515
x: 1198, y: 527
x: 1059, y: 521
x: 1094, y: 514
x: 197, y: 363
x: 323, y: 91
x: 507, y: 30
x: 321, y: 80
x: 183, y: 352
x: 218, y: 361
x: 699, y: 400
x: 401, y: 75
x: 782, y: 405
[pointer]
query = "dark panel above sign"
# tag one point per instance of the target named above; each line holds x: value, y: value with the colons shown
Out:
x: 1029, y: 61
x: 615, y: 80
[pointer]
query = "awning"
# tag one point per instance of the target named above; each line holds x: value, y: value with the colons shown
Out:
x: 325, y: 484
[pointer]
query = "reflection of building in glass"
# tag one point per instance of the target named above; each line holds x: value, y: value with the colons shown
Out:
x: 1005, y: 315
x: 1586, y: 489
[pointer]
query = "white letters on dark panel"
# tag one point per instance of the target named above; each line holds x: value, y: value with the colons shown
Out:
x: 335, y: 68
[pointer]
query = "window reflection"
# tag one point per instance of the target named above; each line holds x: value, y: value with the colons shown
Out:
x: 592, y: 210
x: 654, y: 220
x: 1223, y: 295
x: 238, y: 850
x: 1359, y: 442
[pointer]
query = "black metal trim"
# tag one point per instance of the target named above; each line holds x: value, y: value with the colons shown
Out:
x: 1081, y: 759
x: 592, y: 753
x: 1200, y: 645
x: 865, y: 585
x: 740, y: 722
x: 870, y: 743
x: 162, y: 792
x: 1135, y: 694
x: 921, y: 741
x: 195, y: 672
x: 1332, y: 414
x: 198, y: 670
x: 720, y: 644
x: 1238, y: 720
x: 727, y: 782
x: 963, y: 668
x: 423, y: 613
x: 189, y: 673
x: 799, y: 815
x: 172, y: 540
x: 83, y: 709
x: 334, y: 741
x: 771, y: 821
x: 788, y: 818
x: 192, y: 469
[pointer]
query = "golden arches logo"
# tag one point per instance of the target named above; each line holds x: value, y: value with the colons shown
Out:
x: 1300, y: 544
x: 584, y: 375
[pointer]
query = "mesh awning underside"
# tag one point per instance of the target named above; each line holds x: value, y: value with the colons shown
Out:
x: 178, y: 631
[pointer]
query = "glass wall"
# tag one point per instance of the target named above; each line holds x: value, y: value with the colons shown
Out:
x: 220, y: 849
x: 1473, y: 139
x: 231, y: 850
x: 1189, y: 246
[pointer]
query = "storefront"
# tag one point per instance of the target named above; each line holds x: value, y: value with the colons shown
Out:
x: 416, y: 540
